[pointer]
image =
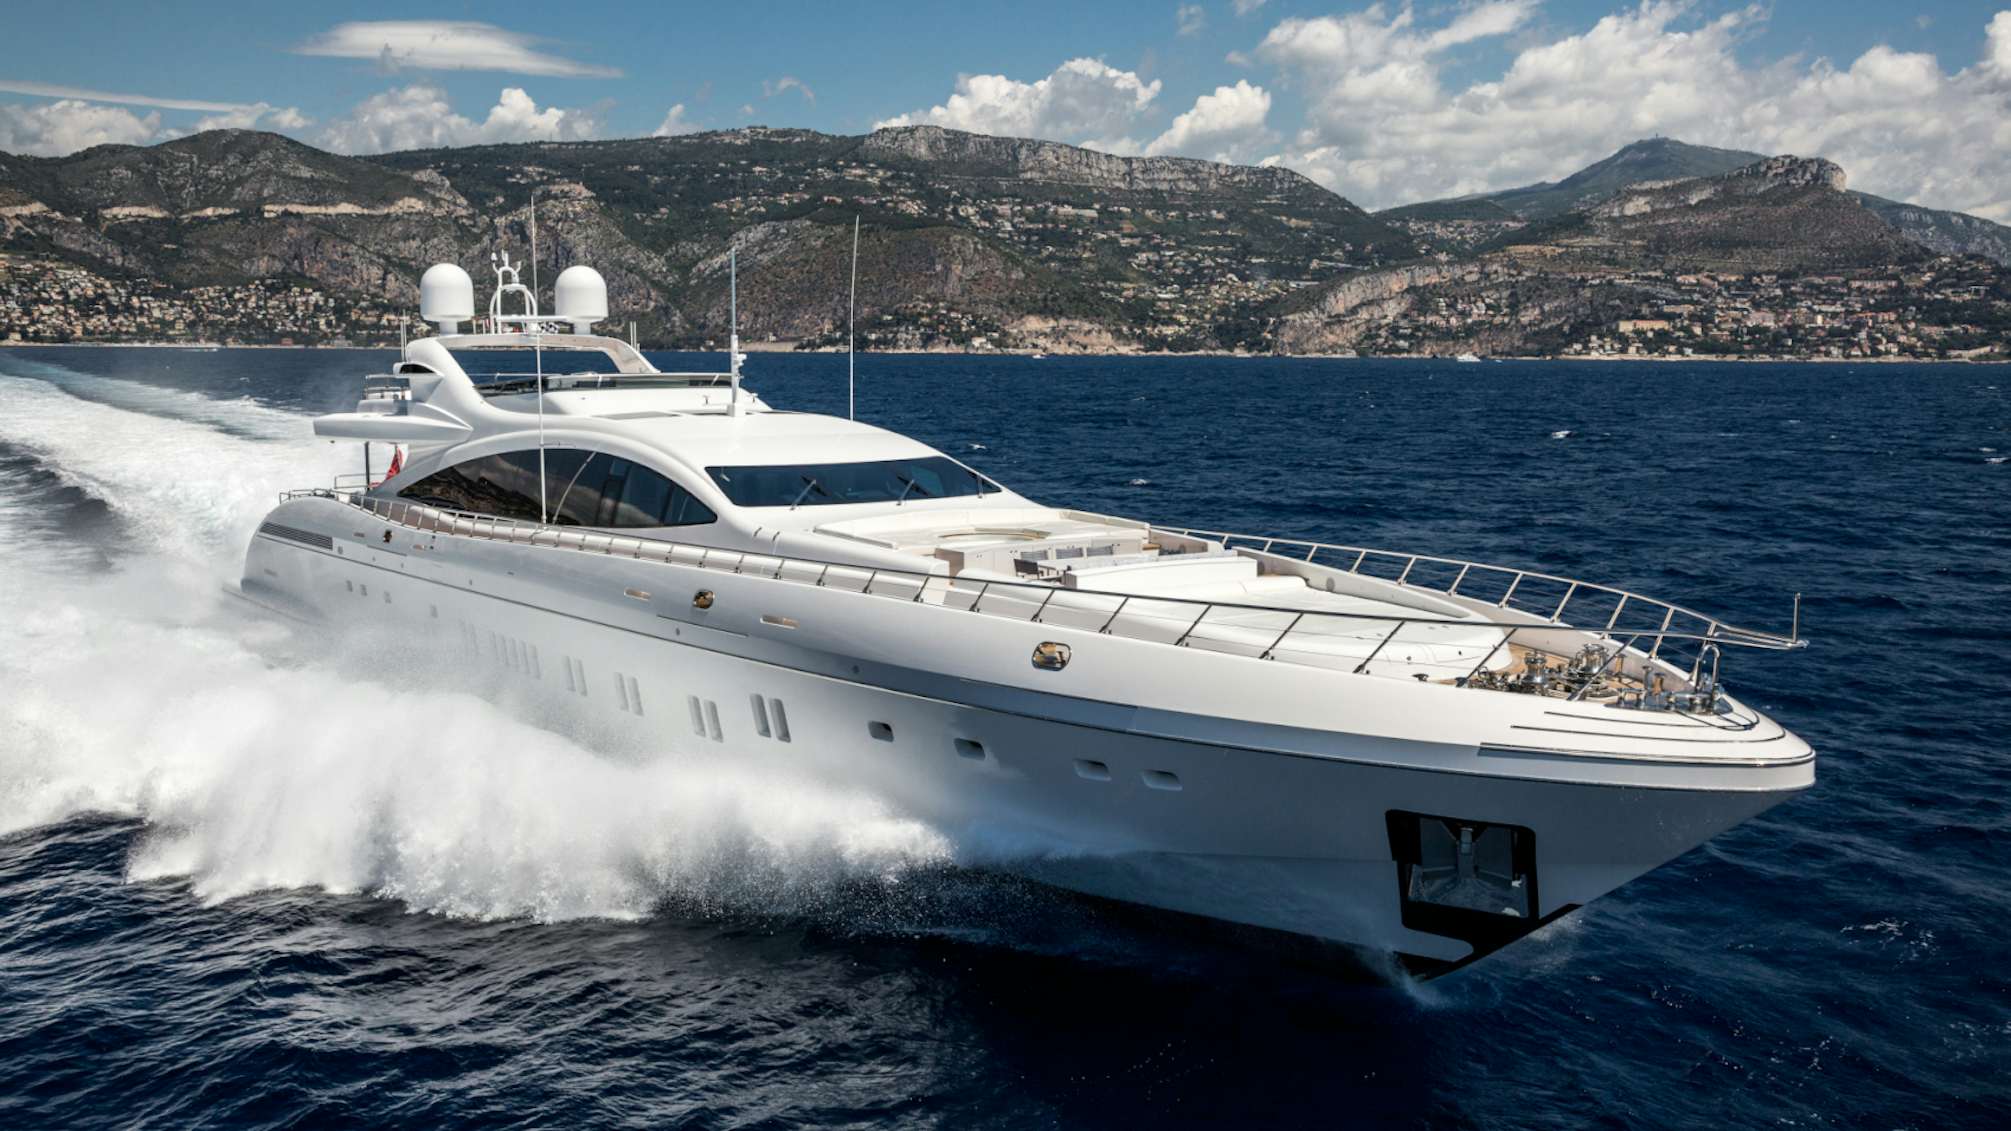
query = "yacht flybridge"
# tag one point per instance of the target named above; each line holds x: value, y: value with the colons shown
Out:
x: 1407, y: 753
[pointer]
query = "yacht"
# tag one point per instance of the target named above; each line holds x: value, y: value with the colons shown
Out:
x: 1406, y: 753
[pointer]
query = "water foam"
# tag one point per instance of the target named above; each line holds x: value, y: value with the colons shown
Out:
x: 263, y: 755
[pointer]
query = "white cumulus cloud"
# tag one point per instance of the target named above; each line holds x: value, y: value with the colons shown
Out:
x: 1083, y: 102
x: 258, y: 115
x: 1189, y: 19
x: 772, y: 87
x: 1382, y: 125
x: 56, y: 128
x: 79, y: 119
x: 447, y: 45
x: 1227, y: 125
x: 674, y: 123
x: 420, y: 117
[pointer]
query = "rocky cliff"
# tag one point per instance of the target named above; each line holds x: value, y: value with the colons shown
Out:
x: 1775, y: 214
x: 956, y: 153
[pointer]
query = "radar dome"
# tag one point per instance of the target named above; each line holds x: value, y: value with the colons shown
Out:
x: 581, y: 297
x: 446, y: 297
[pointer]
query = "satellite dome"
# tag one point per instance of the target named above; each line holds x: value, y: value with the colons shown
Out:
x: 580, y: 297
x: 446, y: 297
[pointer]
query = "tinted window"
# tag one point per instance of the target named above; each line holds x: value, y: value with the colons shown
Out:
x: 585, y: 489
x: 502, y: 485
x: 829, y: 484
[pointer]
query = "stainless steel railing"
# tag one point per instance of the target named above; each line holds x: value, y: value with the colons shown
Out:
x: 1625, y: 656
x: 1524, y: 590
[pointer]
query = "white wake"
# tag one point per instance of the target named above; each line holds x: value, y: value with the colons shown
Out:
x: 263, y: 755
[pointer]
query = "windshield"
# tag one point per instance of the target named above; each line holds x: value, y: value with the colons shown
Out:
x: 830, y: 484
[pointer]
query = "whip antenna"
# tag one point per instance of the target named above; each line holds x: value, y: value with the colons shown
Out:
x: 733, y: 322
x: 851, y: 331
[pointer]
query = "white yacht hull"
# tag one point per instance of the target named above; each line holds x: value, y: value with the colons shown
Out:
x: 1272, y: 806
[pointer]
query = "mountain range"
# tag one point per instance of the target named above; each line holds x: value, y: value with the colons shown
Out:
x: 1666, y: 159
x: 967, y: 241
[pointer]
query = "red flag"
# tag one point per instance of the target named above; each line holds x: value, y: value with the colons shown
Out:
x: 390, y: 473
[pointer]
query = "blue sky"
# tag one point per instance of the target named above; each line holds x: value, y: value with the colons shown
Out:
x: 1382, y: 102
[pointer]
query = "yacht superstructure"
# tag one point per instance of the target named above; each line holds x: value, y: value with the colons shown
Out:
x: 1407, y: 753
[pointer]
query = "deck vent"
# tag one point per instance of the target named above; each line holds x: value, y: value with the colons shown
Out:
x: 781, y: 720
x: 760, y: 715
x: 1161, y: 779
x: 295, y: 534
x: 1091, y: 771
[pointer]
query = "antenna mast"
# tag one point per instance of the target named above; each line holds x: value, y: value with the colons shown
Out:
x: 733, y: 322
x: 534, y: 250
x: 851, y: 330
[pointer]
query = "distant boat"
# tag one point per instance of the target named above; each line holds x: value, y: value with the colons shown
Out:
x: 1037, y: 357
x: 1467, y: 357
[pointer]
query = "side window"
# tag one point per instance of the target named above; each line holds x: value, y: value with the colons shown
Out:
x: 578, y: 499
x: 643, y: 497
x: 499, y: 485
x: 584, y: 489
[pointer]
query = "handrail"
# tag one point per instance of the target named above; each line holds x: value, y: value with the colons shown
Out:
x: 1264, y: 641
x: 1575, y: 588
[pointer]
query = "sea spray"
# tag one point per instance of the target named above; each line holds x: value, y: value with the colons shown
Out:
x: 263, y: 754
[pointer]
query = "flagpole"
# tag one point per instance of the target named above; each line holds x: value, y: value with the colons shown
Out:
x: 538, y: 351
x: 851, y: 331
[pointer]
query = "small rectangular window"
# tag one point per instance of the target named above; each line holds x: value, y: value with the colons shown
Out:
x: 760, y: 716
x: 712, y: 721
x: 781, y: 719
x: 620, y: 691
x: 697, y: 715
x: 634, y: 695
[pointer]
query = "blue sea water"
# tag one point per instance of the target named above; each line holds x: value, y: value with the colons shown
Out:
x: 246, y: 883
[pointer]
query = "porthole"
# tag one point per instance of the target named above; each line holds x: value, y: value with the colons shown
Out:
x: 884, y: 732
x: 966, y: 748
